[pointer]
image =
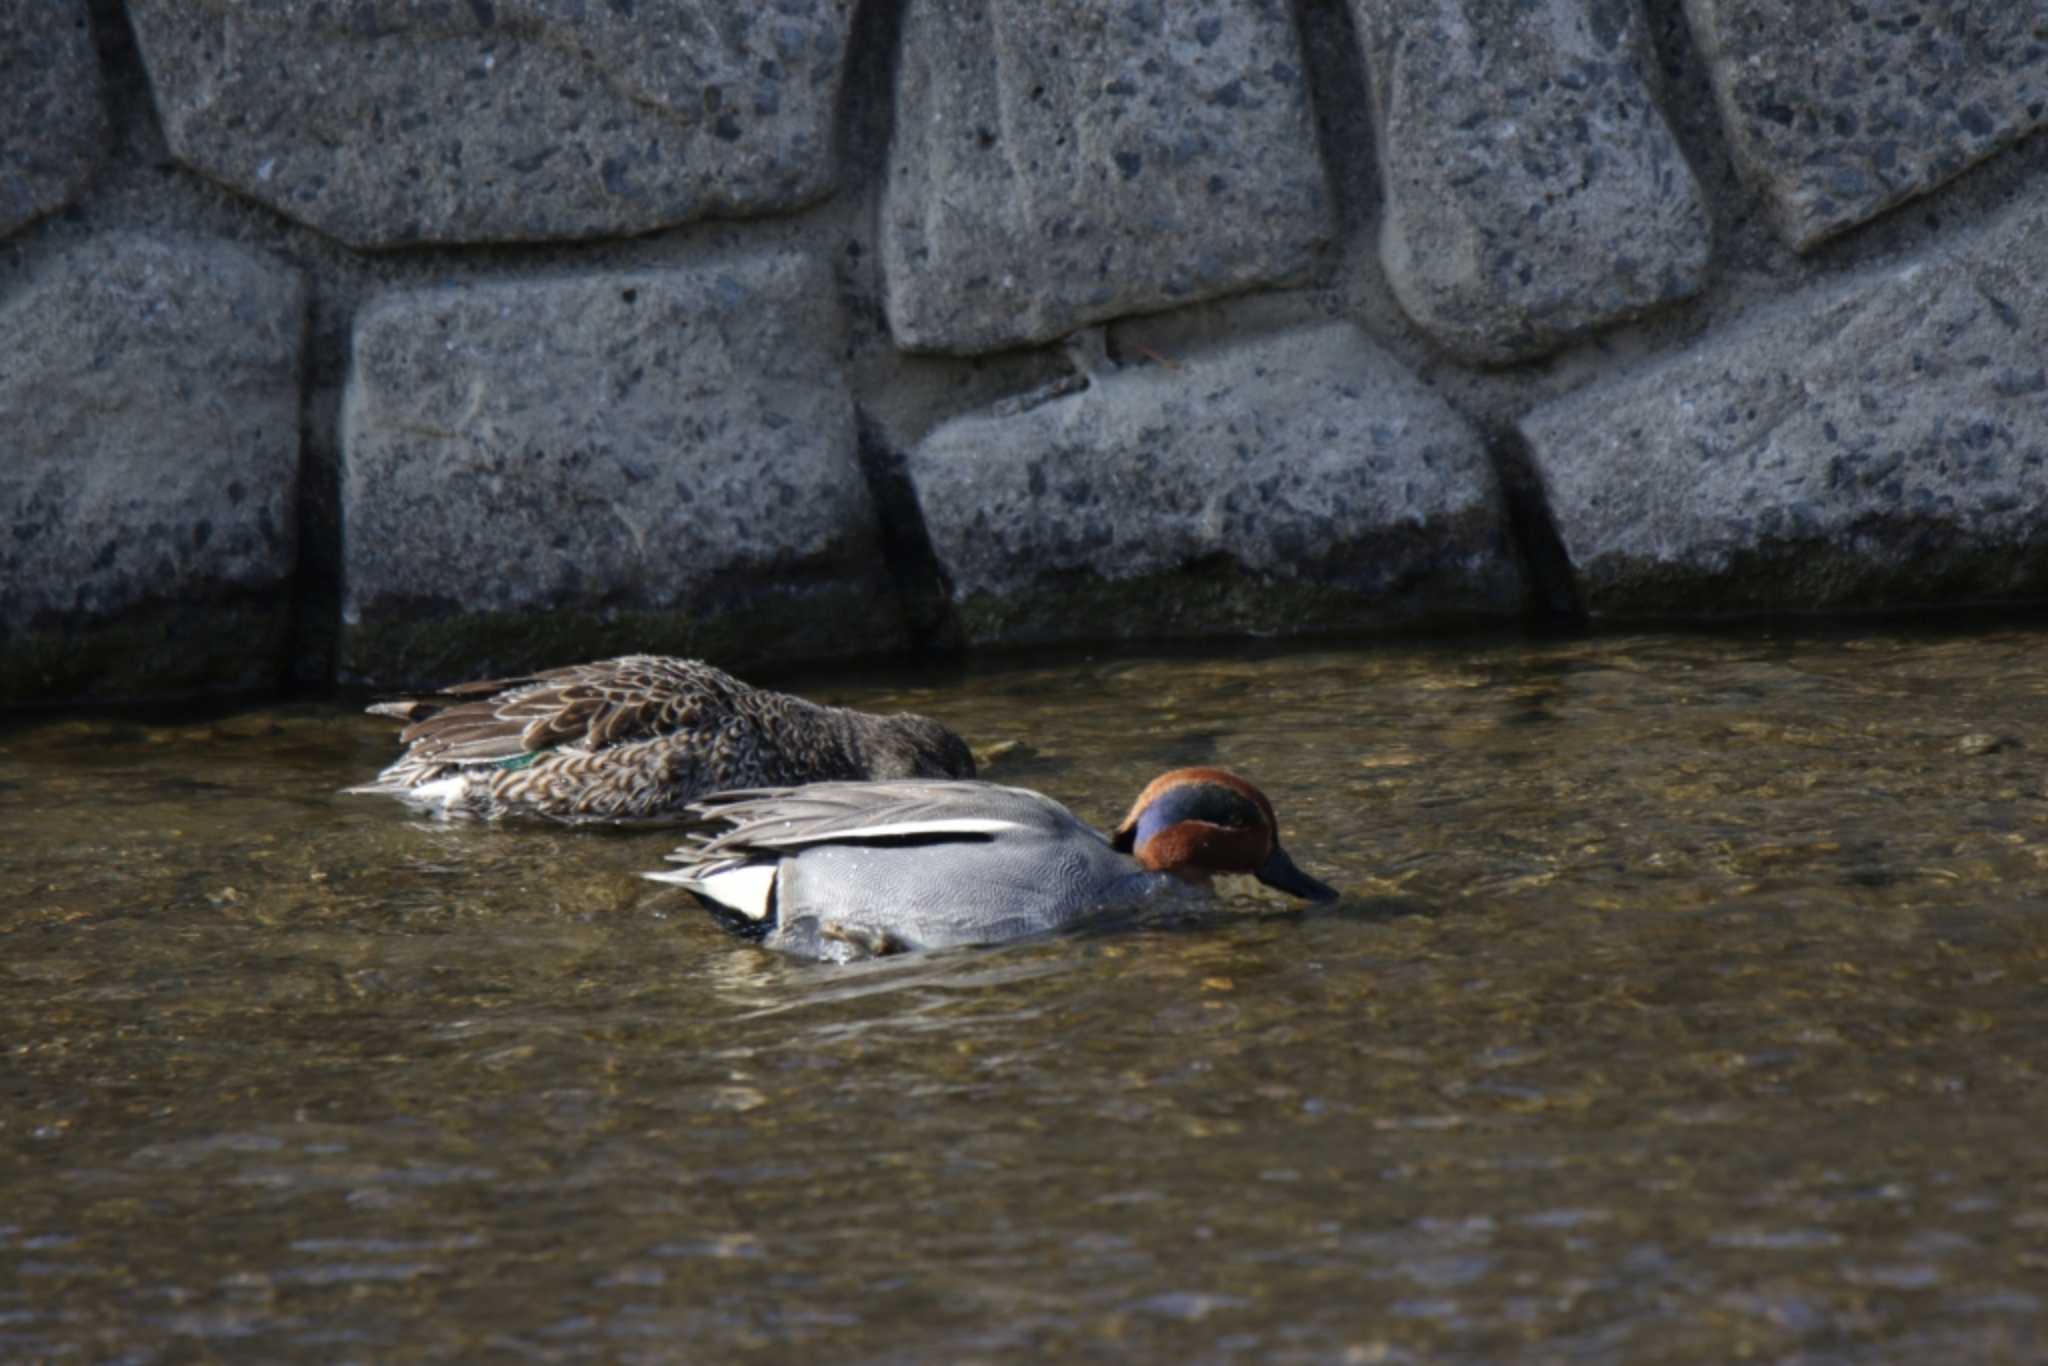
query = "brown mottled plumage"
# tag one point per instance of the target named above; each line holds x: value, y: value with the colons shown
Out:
x: 636, y: 739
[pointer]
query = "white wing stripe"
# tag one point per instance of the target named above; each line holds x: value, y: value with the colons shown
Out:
x: 957, y: 825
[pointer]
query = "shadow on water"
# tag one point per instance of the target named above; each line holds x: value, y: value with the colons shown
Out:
x: 1684, y: 1002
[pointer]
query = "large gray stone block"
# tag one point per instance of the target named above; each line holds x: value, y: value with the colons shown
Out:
x: 53, y: 124
x: 149, y: 454
x: 1295, y: 483
x: 545, y: 471
x: 1059, y: 163
x: 1534, y: 192
x: 1839, y: 109
x: 501, y: 120
x: 1875, y: 441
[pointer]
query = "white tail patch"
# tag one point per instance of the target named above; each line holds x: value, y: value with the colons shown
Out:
x: 742, y: 887
x: 442, y: 793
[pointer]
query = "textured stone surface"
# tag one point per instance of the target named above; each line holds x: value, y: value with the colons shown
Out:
x: 149, y: 448
x: 1840, y: 109
x: 1059, y: 163
x: 1878, y: 441
x: 1533, y: 189
x: 53, y: 126
x: 553, y: 470
x: 1299, y: 482
x: 514, y: 120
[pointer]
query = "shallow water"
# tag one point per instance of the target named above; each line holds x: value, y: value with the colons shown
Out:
x: 1687, y: 1001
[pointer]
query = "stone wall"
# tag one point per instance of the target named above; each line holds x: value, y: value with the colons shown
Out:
x: 391, y: 343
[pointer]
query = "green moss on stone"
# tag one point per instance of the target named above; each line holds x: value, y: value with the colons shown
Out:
x: 1453, y: 572
x: 1214, y: 598
x: 424, y: 648
x: 1885, y: 566
x: 156, y: 650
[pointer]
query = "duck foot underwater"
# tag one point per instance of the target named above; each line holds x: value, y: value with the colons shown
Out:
x: 843, y: 871
x: 635, y: 740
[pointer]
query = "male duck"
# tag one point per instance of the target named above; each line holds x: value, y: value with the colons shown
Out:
x: 850, y: 870
x: 636, y: 739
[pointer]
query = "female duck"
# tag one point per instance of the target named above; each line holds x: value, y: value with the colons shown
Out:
x: 850, y: 870
x: 636, y: 739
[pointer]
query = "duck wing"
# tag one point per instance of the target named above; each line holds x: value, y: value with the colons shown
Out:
x: 766, y: 823
x: 590, y: 706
